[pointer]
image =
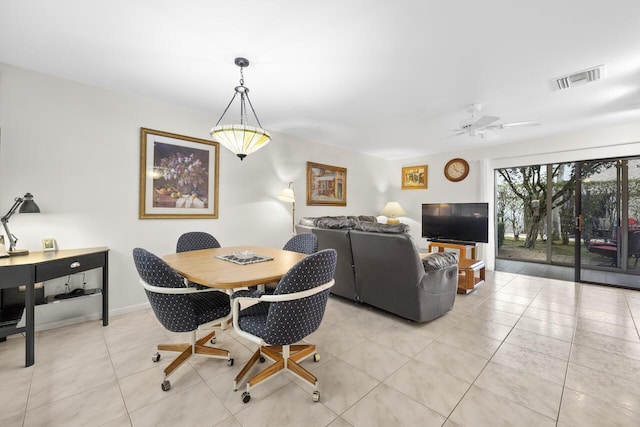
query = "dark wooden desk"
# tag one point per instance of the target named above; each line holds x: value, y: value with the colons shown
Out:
x: 26, y: 270
x: 204, y: 268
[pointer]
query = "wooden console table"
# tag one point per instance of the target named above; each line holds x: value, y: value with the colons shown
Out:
x: 26, y: 270
x: 459, y: 246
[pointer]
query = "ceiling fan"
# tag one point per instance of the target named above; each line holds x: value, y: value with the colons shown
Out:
x: 483, y: 126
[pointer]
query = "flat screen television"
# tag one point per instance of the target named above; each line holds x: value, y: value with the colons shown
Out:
x: 457, y: 222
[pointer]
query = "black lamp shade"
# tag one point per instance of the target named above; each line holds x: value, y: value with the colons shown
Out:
x: 29, y: 206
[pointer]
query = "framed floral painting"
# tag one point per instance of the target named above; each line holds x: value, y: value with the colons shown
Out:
x: 326, y: 185
x: 178, y: 176
x: 414, y: 177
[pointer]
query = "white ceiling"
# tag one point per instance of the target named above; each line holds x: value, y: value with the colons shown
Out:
x: 388, y: 78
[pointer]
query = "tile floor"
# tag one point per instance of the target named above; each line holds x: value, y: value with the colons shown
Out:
x: 519, y: 351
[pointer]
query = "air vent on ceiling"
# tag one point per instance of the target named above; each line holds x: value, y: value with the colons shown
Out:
x: 578, y: 79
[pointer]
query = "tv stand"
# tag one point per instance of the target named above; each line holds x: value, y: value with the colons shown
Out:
x: 462, y: 247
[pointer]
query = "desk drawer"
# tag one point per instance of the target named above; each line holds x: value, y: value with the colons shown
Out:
x: 64, y: 267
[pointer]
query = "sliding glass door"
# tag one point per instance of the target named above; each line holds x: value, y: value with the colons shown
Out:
x: 581, y: 216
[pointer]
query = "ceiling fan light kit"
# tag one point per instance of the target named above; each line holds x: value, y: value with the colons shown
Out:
x: 483, y: 126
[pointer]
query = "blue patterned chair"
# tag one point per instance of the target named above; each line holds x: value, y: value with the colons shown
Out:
x: 278, y: 322
x: 195, y: 241
x: 306, y: 243
x: 181, y: 309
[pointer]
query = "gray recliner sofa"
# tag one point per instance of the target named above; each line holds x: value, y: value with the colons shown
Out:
x: 379, y: 265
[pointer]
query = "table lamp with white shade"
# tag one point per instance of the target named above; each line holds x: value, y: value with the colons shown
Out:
x: 391, y: 211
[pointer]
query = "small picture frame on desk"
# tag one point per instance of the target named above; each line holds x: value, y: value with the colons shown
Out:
x: 49, y: 244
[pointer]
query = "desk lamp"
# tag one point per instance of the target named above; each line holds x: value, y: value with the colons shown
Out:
x: 391, y: 211
x: 28, y: 206
x: 287, y: 195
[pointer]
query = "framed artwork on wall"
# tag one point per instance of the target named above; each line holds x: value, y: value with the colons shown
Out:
x: 178, y: 176
x: 415, y: 177
x: 326, y: 185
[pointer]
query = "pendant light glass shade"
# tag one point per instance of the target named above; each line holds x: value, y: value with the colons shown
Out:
x: 241, y: 139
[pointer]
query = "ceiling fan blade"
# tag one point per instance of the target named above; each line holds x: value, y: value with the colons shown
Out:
x: 483, y: 122
x: 515, y: 124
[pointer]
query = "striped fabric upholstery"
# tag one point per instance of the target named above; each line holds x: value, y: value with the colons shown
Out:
x: 177, y: 313
x: 305, y: 243
x: 285, y: 323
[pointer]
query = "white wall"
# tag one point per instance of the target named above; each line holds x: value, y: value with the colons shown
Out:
x: 76, y: 148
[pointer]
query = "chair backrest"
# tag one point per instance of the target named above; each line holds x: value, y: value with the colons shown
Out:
x: 196, y: 240
x: 290, y: 321
x: 305, y: 243
x: 175, y: 312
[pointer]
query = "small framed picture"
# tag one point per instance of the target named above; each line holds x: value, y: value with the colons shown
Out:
x: 414, y: 177
x: 49, y: 244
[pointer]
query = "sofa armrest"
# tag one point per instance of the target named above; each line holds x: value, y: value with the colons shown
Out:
x: 439, y: 260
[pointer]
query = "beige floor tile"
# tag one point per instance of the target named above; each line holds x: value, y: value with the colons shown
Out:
x: 402, y: 339
x: 614, y: 390
x: 551, y: 317
x: 506, y: 306
x: 374, y: 360
x: 182, y: 410
x: 469, y: 341
x: 54, y: 384
x: 616, y: 331
x: 501, y: 317
x: 547, y: 329
x: 623, y: 319
x: 604, y: 361
x: 516, y: 299
x: 485, y: 327
x: 384, y: 407
x: 544, y: 304
x: 341, y: 385
x: 433, y: 388
x: 287, y: 406
x: 612, y: 345
x: 579, y: 409
x: 453, y: 361
x: 97, y: 406
x: 143, y: 388
x: 229, y: 422
x: 522, y: 388
x: 366, y: 323
x: 535, y: 363
x: 550, y: 346
x: 335, y: 340
x: 208, y: 367
x: 481, y: 408
x: 340, y: 422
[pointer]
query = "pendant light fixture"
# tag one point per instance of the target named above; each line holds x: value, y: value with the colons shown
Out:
x: 241, y: 139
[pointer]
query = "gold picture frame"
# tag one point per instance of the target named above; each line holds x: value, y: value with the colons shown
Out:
x: 326, y: 185
x: 415, y: 177
x: 178, y: 176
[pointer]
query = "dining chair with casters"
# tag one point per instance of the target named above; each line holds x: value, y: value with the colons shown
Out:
x: 195, y: 241
x: 304, y: 243
x: 182, y: 309
x: 279, y: 322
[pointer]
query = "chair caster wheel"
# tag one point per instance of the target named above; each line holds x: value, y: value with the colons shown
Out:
x: 262, y: 359
x: 213, y: 340
x: 316, y: 396
x: 230, y: 362
x: 166, y: 385
x: 155, y: 358
x: 246, y: 397
x: 316, y: 357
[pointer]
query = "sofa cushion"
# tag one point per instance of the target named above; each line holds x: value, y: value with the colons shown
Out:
x: 367, y: 218
x: 308, y: 221
x: 378, y: 227
x: 438, y: 260
x: 335, y: 222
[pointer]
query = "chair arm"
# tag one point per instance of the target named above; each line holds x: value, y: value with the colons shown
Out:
x: 174, y: 291
x: 295, y: 295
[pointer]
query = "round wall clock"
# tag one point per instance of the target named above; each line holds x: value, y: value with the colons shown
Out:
x: 456, y: 170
